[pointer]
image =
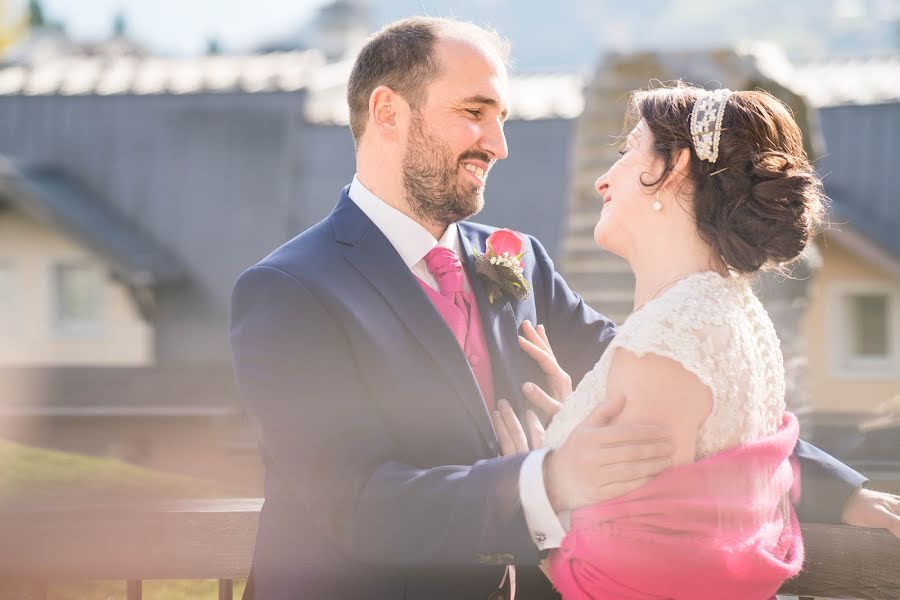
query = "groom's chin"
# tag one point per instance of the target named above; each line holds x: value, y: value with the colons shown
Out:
x: 474, y: 207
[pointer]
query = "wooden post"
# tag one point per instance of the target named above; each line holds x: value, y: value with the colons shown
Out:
x: 39, y: 591
x: 226, y: 589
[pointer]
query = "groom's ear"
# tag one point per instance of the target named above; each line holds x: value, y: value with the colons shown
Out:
x: 385, y: 109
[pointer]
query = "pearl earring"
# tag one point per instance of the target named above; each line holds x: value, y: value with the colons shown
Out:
x: 657, y: 206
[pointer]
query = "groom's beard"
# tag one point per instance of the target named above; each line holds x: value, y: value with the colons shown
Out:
x: 431, y: 179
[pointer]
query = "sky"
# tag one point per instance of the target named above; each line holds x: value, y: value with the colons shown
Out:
x: 183, y: 26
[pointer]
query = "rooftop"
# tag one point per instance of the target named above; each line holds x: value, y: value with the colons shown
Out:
x: 138, y: 75
x: 826, y: 83
x: 52, y: 197
x: 542, y: 96
x: 874, y: 80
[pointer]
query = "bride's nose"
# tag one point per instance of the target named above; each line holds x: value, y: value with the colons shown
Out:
x: 601, y: 184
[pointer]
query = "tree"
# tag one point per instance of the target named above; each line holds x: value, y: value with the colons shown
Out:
x: 120, y: 25
x: 13, y: 28
x: 36, y: 16
x: 213, y: 47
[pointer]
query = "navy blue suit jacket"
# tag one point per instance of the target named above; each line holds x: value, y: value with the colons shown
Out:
x: 382, y: 474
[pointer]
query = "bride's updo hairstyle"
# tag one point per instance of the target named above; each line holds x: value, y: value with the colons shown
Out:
x: 760, y: 202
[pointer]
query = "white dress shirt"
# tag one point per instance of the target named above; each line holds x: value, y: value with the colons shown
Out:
x: 412, y: 242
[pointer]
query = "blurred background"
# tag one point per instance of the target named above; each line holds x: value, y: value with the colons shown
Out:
x: 151, y: 151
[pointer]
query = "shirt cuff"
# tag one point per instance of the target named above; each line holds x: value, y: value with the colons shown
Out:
x: 544, y: 525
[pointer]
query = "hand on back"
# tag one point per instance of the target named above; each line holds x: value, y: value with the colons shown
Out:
x: 600, y: 459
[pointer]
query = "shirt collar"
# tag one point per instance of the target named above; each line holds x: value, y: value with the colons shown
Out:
x: 409, y: 238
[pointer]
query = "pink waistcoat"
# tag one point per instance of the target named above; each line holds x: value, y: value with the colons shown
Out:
x: 471, y: 340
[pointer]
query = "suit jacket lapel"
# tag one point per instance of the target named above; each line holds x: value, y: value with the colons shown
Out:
x: 500, y: 326
x: 375, y: 258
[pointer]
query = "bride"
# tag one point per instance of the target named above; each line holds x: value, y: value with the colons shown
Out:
x: 711, y: 187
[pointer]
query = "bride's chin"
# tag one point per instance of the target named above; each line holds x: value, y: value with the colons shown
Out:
x: 601, y: 235
x: 607, y: 242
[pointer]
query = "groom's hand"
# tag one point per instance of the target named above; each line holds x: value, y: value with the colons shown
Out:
x: 600, y: 461
x: 868, y: 508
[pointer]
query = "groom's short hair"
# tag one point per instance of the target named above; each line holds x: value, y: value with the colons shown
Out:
x: 402, y: 57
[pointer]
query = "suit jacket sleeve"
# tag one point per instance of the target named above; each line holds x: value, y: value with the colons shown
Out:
x: 825, y: 485
x: 579, y: 335
x: 297, y: 377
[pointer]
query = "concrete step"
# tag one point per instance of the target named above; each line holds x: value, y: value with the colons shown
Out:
x: 583, y: 181
x: 603, y: 263
x: 582, y: 220
x: 585, y: 152
x: 579, y: 243
x: 587, y: 252
x: 614, y: 288
x: 605, y: 142
x: 583, y: 230
x: 577, y: 256
x: 615, y: 285
x: 585, y: 207
x: 597, y: 109
x: 614, y: 314
x: 604, y: 135
x: 584, y: 198
x: 581, y: 226
x: 610, y: 307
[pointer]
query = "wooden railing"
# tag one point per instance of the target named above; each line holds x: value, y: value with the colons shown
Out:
x: 213, y: 539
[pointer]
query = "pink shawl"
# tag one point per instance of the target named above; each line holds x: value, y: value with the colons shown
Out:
x: 717, y: 528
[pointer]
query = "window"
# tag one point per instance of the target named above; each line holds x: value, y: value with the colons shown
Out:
x: 868, y: 319
x: 8, y: 297
x: 866, y: 328
x: 78, y: 299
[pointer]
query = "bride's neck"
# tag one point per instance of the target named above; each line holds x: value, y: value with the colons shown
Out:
x: 660, y: 262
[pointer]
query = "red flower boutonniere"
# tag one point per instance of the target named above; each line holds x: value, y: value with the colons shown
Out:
x: 501, y: 265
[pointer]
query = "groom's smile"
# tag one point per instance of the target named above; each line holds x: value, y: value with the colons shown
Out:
x: 456, y: 135
x: 477, y: 169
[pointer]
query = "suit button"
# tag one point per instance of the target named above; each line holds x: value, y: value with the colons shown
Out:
x: 492, y: 446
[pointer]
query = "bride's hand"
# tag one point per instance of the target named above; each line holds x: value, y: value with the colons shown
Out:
x: 510, y: 433
x: 536, y: 344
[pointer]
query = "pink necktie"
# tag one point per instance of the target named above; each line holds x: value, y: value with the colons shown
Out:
x: 444, y: 265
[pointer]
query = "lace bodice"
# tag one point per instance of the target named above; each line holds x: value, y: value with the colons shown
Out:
x: 717, y: 329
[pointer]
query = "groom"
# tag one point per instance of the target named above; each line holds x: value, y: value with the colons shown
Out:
x: 371, y: 355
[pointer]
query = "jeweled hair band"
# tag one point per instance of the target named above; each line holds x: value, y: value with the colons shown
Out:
x: 706, y: 123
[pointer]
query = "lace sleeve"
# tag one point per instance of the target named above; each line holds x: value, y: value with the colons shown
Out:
x: 692, y: 344
x: 666, y: 327
x: 718, y: 331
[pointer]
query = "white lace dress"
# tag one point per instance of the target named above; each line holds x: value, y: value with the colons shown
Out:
x: 717, y: 329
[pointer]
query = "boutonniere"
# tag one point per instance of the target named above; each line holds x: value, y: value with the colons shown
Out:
x: 501, y: 265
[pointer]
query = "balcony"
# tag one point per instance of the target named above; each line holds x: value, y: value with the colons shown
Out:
x: 213, y: 539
